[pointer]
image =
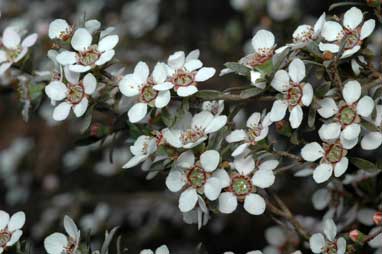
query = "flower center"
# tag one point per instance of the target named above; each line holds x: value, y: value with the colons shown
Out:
x: 182, y: 78
x: 252, y: 134
x: 65, y: 35
x: 13, y: 54
x: 192, y: 135
x: 88, y: 57
x: 347, y: 115
x: 71, y: 247
x: 294, y: 95
x: 241, y: 185
x: 330, y: 248
x: 351, y: 39
x: 304, y: 36
x: 5, y: 236
x: 334, y: 153
x: 76, y: 93
x: 148, y: 94
x: 196, y: 177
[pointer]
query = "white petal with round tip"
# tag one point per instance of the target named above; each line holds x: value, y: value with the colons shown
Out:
x: 57, y: 27
x: 209, y: 160
x: 90, y: 83
x: 351, y: 91
x: 312, y: 151
x: 11, y: 39
x: 186, y: 159
x: 79, y: 68
x: 296, y: 70
x: 330, y: 229
x: 371, y: 141
x: 322, y: 173
x: 71, y: 76
x: 223, y: 177
x: 296, y: 116
x: 367, y: 28
x: 352, y: 18
x: 341, y: 245
x: 55, y: 243
x: 193, y: 65
x: 134, y: 161
x: 204, y: 73
x: 141, y: 72
x: 3, y: 56
x: 351, y: 131
x: 330, y: 131
x: 227, y: 202
x: 105, y: 57
x: 307, y: 94
x: 29, y: 41
x: 162, y: 250
x: 81, y: 39
x: 365, y: 106
x: 276, y: 236
x: 321, y: 199
x: 331, y: 30
x: 348, y: 143
x: 254, y: 120
x: 4, y: 67
x: 185, y: 91
x: 269, y: 165
x: 236, y: 136
x: 280, y: 82
x: 92, y: 25
x: 278, y: 110
x: 16, y: 235
x: 56, y: 90
x: 193, y: 55
x: 66, y: 57
x: 163, y: 98
x: 263, y: 178
x: 255, y: 75
x: 319, y: 24
x: 254, y: 204
x: 212, y: 188
x: 176, y: 60
x: 137, y: 112
x: 341, y: 167
x: 263, y: 39
x: 107, y: 43
x: 160, y: 73
x: 70, y: 227
x: 216, y: 124
x: 187, y: 200
x: 163, y: 86
x: 4, y: 219
x: 16, y: 221
x: 80, y: 108
x: 61, y: 112
x: 244, y: 164
x: 328, y: 107
x: 350, y: 52
x: 129, y: 85
x: 317, y: 243
x: 175, y: 180
x: 333, y: 48
x: 240, y: 149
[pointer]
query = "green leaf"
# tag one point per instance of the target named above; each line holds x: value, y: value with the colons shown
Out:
x: 321, y: 90
x: 369, y: 126
x: 364, y: 164
x: 378, y: 93
x: 208, y: 94
x: 266, y: 67
x: 167, y: 118
x: 250, y: 92
x: 238, y: 68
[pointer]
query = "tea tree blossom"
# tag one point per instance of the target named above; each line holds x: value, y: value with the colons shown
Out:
x: 12, y: 49
x: 160, y: 250
x: 280, y: 240
x: 10, y: 229
x: 58, y: 243
x: 185, y: 72
x: 295, y: 93
x: 241, y: 185
x: 74, y: 92
x: 143, y: 147
x: 149, y: 90
x: 215, y: 107
x: 351, y: 34
x: 263, y: 44
x: 195, y: 178
x: 333, y: 158
x: 327, y: 242
x: 60, y: 29
x: 373, y: 139
x: 257, y: 130
x: 347, y: 116
x: 87, y: 55
x: 195, y: 131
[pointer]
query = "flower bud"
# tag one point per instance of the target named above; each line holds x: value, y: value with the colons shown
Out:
x: 377, y: 218
x: 354, y: 235
x: 327, y: 55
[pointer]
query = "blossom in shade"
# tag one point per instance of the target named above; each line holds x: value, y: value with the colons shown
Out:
x: 333, y: 158
x: 60, y: 29
x: 143, y: 147
x: 160, y: 250
x: 195, y: 177
x: 347, y: 115
x: 257, y: 130
x: 12, y: 49
x: 58, y: 243
x: 373, y: 139
x: 10, y: 229
x: 263, y: 44
x: 351, y: 33
x: 185, y: 72
x: 74, y: 94
x: 295, y: 93
x: 149, y: 90
x: 327, y: 242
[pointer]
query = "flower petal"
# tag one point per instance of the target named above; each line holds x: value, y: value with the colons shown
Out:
x: 307, y: 94
x: 330, y: 229
x: 81, y: 39
x: 187, y: 200
x: 328, y: 107
x: 62, y: 111
x: 29, y: 41
x: 236, y: 136
x: 204, y: 73
x: 108, y: 43
x: 341, y: 167
x: 331, y: 31
x: 269, y: 165
x: 331, y: 47
x: 66, y: 57
x: 70, y: 227
x: 212, y: 188
x: 317, y: 243
x: 193, y: 65
x: 4, y: 219
x: 227, y: 202
x: 209, y: 160
x: 105, y: 57
x: 79, y: 68
x: 80, y: 108
x: 296, y: 116
x: 11, y: 39
x: 330, y: 131
x: 263, y: 178
x: 56, y: 90
x: 322, y: 173
x: 141, y: 72
x: 160, y: 73
x: 175, y: 180
x: 367, y: 28
x: 254, y: 204
x: 365, y: 106
x: 55, y: 243
x: 176, y: 60
x: 278, y: 110
x: 352, y: 18
x: 351, y: 91
x: 263, y: 39
x: 351, y: 131
x: 280, y: 81
x: 137, y: 112
x: 312, y: 151
x: 371, y: 141
x: 296, y: 70
x: 90, y: 83
x: 163, y: 98
x: 57, y: 27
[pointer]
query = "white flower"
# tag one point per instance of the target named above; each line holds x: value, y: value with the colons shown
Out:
x: 281, y: 10
x: 373, y: 139
x: 60, y: 29
x: 186, y: 72
x: 263, y: 44
x: 195, y: 177
x: 257, y: 130
x: 10, y: 229
x: 12, y: 49
x: 346, y: 123
x: 149, y: 90
x: 194, y: 130
x: 327, y: 243
x: 74, y: 92
x: 296, y: 93
x: 160, y: 250
x: 58, y: 243
x: 242, y: 185
x: 351, y: 31
x: 87, y: 55
x: 143, y: 147
x: 215, y: 107
x: 333, y: 159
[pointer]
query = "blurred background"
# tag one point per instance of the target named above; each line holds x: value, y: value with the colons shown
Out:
x: 45, y: 174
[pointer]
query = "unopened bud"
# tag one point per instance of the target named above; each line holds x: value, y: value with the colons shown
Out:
x: 377, y: 218
x: 354, y: 235
x: 327, y: 55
